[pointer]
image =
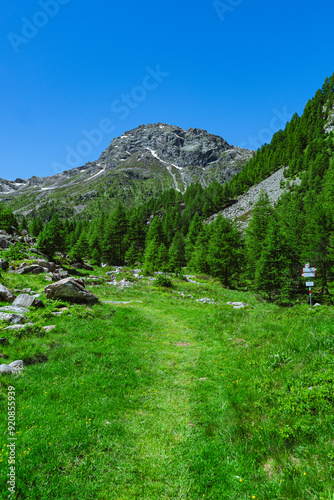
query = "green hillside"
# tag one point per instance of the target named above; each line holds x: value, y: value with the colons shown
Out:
x: 157, y: 395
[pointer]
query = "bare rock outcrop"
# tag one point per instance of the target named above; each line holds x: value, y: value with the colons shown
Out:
x: 71, y: 290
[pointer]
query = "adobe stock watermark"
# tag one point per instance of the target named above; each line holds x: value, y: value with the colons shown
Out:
x: 277, y: 122
x: 223, y: 7
x: 122, y: 108
x: 31, y: 27
x: 11, y: 446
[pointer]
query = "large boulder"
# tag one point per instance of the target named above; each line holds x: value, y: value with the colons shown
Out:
x: 26, y: 300
x: 71, y: 290
x: 5, y: 294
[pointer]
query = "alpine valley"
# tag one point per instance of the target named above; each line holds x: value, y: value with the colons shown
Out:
x: 157, y: 340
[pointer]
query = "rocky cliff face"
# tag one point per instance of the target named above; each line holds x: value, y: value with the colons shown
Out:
x: 188, y: 155
x: 167, y: 156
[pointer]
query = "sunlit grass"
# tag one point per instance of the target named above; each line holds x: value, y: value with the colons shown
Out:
x: 171, y: 398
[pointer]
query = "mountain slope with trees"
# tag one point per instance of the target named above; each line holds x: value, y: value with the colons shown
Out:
x: 170, y: 230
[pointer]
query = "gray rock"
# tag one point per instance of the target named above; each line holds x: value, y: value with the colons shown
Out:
x: 237, y: 305
x: 59, y: 274
x: 12, y: 368
x: 124, y: 283
x: 48, y: 328
x: 5, y: 240
x: 14, y: 309
x: 5, y: 369
x: 17, y: 327
x: 3, y: 340
x: 17, y: 366
x: 50, y: 266
x: 206, y: 300
x: 25, y: 300
x: 12, y: 318
x: 188, y: 278
x: 33, y: 269
x: 71, y: 290
x: 5, y: 294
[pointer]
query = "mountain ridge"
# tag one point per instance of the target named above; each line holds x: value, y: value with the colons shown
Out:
x: 165, y: 155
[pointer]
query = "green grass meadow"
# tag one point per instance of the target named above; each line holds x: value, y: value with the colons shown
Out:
x: 169, y: 398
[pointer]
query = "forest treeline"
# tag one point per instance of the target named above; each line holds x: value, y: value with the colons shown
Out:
x: 170, y: 231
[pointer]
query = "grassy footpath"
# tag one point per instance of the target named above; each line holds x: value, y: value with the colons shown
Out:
x: 169, y: 398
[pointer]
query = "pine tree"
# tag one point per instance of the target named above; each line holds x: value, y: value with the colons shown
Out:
x: 176, y: 253
x: 8, y: 220
x: 135, y: 238
x: 133, y: 255
x: 24, y: 224
x: 52, y: 237
x: 114, y: 245
x: 257, y: 230
x: 194, y: 230
x: 80, y: 250
x: 96, y: 257
x: 162, y: 258
x: 35, y: 227
x: 155, y: 231
x: 199, y: 257
x: 272, y: 275
x: 151, y: 256
x: 225, y: 251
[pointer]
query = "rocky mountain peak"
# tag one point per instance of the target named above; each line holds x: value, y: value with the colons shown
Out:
x: 167, y: 155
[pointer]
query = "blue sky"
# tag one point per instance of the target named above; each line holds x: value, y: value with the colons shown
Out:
x: 74, y: 75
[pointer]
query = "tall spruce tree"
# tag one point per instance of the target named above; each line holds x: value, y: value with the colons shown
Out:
x: 272, y: 274
x: 114, y: 245
x: 156, y: 231
x: 8, y: 220
x: 256, y: 231
x: 225, y: 251
x: 176, y: 253
x: 199, y: 257
x: 52, y: 238
x: 151, y: 256
x: 195, y: 228
x: 81, y: 249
